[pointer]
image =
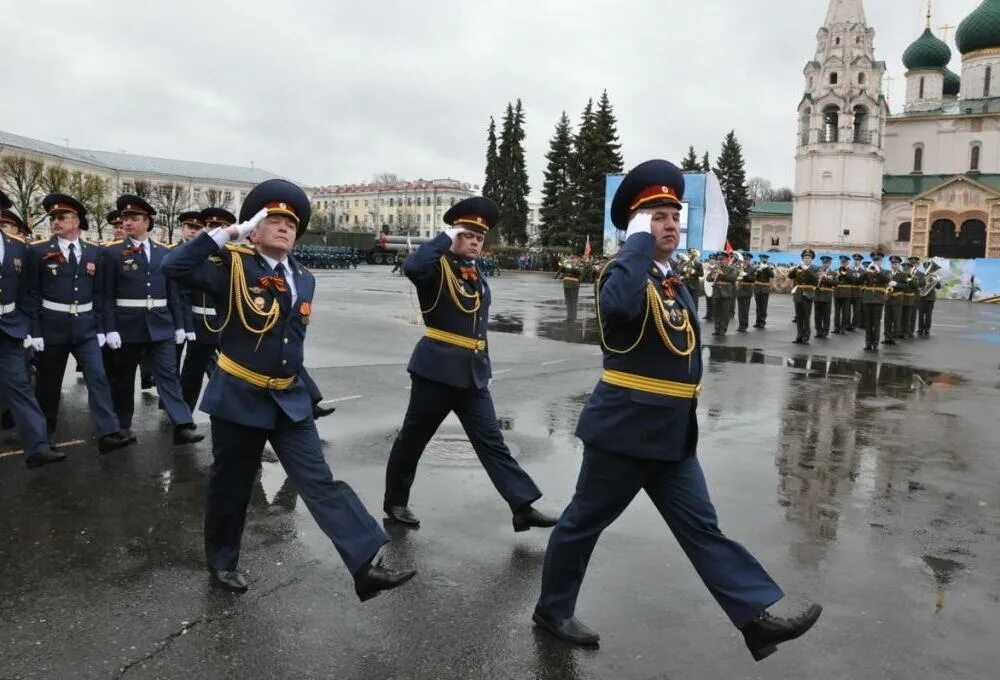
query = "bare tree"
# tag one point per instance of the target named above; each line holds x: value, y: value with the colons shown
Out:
x: 54, y: 180
x: 217, y: 198
x: 783, y: 194
x: 385, y: 178
x: 20, y: 177
x: 760, y: 189
x: 170, y: 200
x: 94, y: 192
x: 144, y: 189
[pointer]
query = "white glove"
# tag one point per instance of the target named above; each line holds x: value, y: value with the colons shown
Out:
x: 101, y: 339
x: 240, y: 231
x: 27, y: 341
x: 38, y: 344
x: 179, y: 336
x: 639, y: 224
x: 453, y: 232
x: 191, y: 337
x: 114, y: 340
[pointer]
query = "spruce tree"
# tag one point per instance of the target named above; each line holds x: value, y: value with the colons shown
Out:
x: 491, y: 187
x: 557, y: 190
x: 690, y: 162
x: 731, y: 171
x: 706, y: 165
x: 513, y: 176
x: 598, y: 154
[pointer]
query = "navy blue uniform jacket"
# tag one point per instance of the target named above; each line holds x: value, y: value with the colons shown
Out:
x: 13, y: 290
x: 51, y: 277
x: 127, y: 275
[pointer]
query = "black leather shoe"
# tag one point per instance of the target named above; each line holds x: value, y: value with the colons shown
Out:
x: 232, y: 581
x: 113, y: 442
x: 147, y: 382
x: 766, y: 632
x: 401, y: 514
x: 44, y: 457
x: 128, y: 436
x: 529, y: 517
x: 322, y: 411
x: 570, y: 630
x: 374, y: 577
x: 185, y: 434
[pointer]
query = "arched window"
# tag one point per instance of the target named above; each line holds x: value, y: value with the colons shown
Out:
x: 861, y: 76
x: 918, y: 159
x: 861, y: 134
x: 921, y: 95
x: 833, y: 78
x: 943, y: 242
x: 972, y: 239
x: 974, y: 159
x: 831, y: 123
x: 903, y: 233
x: 986, y: 81
x: 836, y: 41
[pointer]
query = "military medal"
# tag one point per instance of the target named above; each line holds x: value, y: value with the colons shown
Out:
x: 258, y: 302
x: 305, y: 311
x: 91, y: 268
x: 17, y: 263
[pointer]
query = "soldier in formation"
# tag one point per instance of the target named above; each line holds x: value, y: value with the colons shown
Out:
x: 804, y: 278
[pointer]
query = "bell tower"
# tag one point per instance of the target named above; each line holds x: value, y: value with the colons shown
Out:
x: 839, y: 158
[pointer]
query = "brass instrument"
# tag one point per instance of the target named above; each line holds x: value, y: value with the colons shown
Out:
x: 932, y: 279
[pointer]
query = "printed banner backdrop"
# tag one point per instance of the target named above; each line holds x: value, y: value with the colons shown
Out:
x: 958, y: 277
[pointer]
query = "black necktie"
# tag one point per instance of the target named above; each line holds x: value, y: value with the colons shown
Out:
x: 286, y: 296
x: 72, y: 255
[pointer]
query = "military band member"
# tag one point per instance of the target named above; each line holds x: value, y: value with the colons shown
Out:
x: 914, y: 284
x: 926, y: 302
x: 713, y: 262
x: 640, y: 429
x: 825, y: 285
x: 762, y: 290
x: 691, y: 271
x: 571, y: 286
x: 16, y: 392
x: 843, y: 296
x: 875, y: 292
x: 67, y: 293
x: 723, y: 277
x: 256, y: 394
x: 450, y: 367
x: 857, y: 299
x: 894, y: 306
x: 804, y: 278
x: 744, y: 292
x: 143, y: 313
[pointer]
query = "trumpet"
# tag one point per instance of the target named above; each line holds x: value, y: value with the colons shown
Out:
x: 873, y: 269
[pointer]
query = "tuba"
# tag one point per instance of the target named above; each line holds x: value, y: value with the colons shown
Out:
x: 931, y: 279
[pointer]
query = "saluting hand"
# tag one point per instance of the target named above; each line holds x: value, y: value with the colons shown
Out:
x: 453, y: 232
x: 239, y: 231
x: 641, y: 223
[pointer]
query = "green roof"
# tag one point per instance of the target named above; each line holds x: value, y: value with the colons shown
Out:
x: 772, y: 208
x: 914, y: 185
x: 927, y: 51
x: 981, y: 29
x: 952, y: 83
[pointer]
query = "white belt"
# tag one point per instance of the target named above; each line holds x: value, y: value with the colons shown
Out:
x: 69, y: 309
x: 207, y: 311
x: 7, y: 309
x: 148, y: 303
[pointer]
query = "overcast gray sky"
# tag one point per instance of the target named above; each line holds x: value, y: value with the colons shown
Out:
x: 330, y: 91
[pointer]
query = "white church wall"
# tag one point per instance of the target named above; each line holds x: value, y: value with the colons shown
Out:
x: 947, y: 144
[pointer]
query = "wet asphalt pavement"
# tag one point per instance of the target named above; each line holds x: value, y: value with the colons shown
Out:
x: 870, y: 484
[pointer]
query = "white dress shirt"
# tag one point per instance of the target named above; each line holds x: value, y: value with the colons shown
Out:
x: 64, y: 248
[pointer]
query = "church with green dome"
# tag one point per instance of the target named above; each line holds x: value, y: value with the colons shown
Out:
x: 922, y: 179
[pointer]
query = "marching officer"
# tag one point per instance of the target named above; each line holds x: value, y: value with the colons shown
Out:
x: 640, y: 429
x: 66, y: 291
x: 143, y: 313
x: 857, y: 298
x: 256, y: 395
x: 450, y: 367
x: 12, y: 224
x: 744, y: 291
x: 762, y: 290
x: 894, y: 306
x: 926, y: 303
x: 804, y: 278
x: 825, y: 285
x: 843, y: 296
x: 571, y: 286
x: 723, y: 293
x: 692, y: 270
x: 16, y: 392
x: 875, y: 292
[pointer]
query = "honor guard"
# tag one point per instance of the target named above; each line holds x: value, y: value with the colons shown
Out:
x: 857, y: 299
x: 723, y: 278
x: 16, y: 393
x: 143, y: 313
x: 894, y: 306
x: 928, y: 295
x: 256, y: 394
x: 744, y: 291
x: 804, y: 278
x: 450, y: 367
x: 826, y: 283
x: 762, y: 290
x: 692, y: 271
x: 640, y: 429
x: 66, y: 289
x: 571, y: 286
x: 875, y: 292
x: 843, y: 296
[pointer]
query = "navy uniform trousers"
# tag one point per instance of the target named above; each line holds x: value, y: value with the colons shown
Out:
x: 50, y: 368
x: 163, y: 355
x: 607, y: 484
x: 198, y: 364
x: 17, y: 395
x: 430, y: 403
x: 338, y: 511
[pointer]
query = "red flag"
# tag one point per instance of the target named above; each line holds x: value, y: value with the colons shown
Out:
x: 382, y: 240
x: 586, y: 249
x: 729, y: 247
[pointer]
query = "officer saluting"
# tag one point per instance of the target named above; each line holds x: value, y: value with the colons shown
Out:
x: 450, y: 366
x: 65, y: 286
x: 15, y: 385
x: 143, y: 313
x: 256, y: 394
x: 640, y: 428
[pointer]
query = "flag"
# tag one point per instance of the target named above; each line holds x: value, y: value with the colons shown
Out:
x: 409, y: 244
x: 729, y: 247
x: 586, y: 249
x: 382, y: 240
